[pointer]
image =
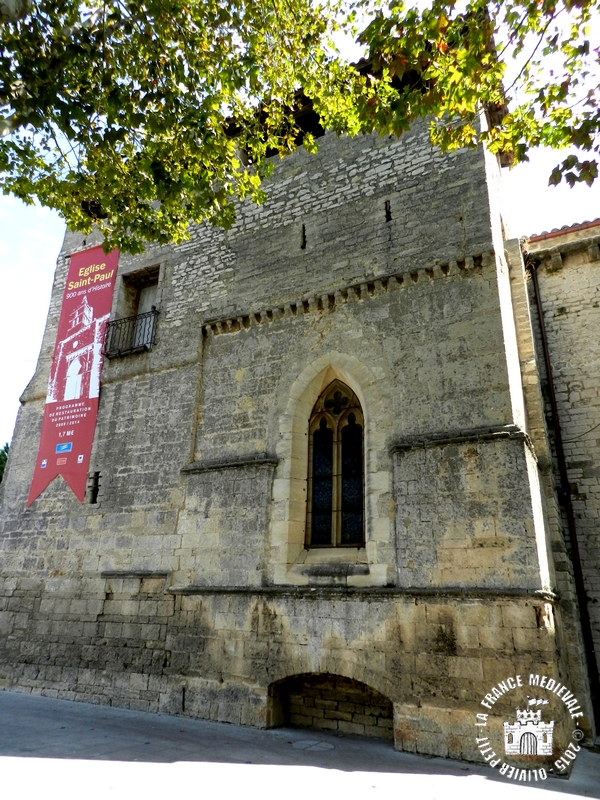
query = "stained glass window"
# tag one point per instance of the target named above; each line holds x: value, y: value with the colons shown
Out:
x: 352, y: 482
x: 335, y: 509
x: 322, y: 484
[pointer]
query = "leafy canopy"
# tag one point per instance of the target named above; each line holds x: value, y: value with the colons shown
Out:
x: 3, y: 459
x: 139, y: 117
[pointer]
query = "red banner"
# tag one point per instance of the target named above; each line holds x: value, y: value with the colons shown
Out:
x: 74, y: 385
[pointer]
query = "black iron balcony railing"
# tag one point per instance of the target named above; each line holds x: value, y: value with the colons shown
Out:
x: 130, y: 335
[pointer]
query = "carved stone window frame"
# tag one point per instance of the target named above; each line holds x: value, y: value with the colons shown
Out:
x: 288, y: 560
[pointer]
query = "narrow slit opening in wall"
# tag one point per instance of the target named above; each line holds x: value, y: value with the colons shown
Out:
x: 303, y: 239
x: 388, y: 211
x: 94, y: 487
x: 183, y: 698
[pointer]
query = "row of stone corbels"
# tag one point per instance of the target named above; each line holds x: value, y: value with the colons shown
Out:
x: 552, y: 256
x: 351, y: 293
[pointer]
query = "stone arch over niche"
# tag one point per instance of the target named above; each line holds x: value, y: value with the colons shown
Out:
x: 287, y: 528
x: 326, y: 701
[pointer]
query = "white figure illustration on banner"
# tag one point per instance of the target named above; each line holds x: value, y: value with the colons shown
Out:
x: 73, y: 381
x: 76, y: 367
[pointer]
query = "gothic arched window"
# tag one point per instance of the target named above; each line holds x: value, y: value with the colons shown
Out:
x: 335, y: 508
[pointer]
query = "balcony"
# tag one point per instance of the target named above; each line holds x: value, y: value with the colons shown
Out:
x: 131, y: 334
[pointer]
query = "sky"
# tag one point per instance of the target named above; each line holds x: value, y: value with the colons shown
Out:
x: 31, y: 237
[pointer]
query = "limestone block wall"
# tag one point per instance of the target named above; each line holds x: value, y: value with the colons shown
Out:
x: 222, y: 525
x: 539, y: 430
x: 465, y: 515
x: 222, y: 655
x: 569, y: 275
x: 399, y: 343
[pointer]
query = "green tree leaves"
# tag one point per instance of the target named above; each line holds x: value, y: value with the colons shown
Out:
x: 3, y: 459
x: 142, y: 117
x: 460, y: 61
x: 132, y: 117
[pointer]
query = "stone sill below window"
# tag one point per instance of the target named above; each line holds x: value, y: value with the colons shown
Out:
x: 333, y: 555
x: 330, y: 566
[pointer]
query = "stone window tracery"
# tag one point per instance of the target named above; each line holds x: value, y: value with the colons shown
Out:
x: 335, y: 507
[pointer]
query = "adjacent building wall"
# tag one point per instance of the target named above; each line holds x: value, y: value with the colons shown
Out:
x: 568, y: 268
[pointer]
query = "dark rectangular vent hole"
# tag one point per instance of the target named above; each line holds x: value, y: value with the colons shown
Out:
x: 388, y: 211
x: 94, y: 487
x: 303, y: 239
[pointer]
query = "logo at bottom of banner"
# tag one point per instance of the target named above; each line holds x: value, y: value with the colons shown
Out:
x: 529, y: 726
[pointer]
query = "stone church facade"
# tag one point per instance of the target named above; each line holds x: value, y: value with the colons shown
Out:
x: 327, y: 494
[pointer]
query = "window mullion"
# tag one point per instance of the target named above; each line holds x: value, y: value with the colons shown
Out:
x: 309, y: 488
x: 336, y: 522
